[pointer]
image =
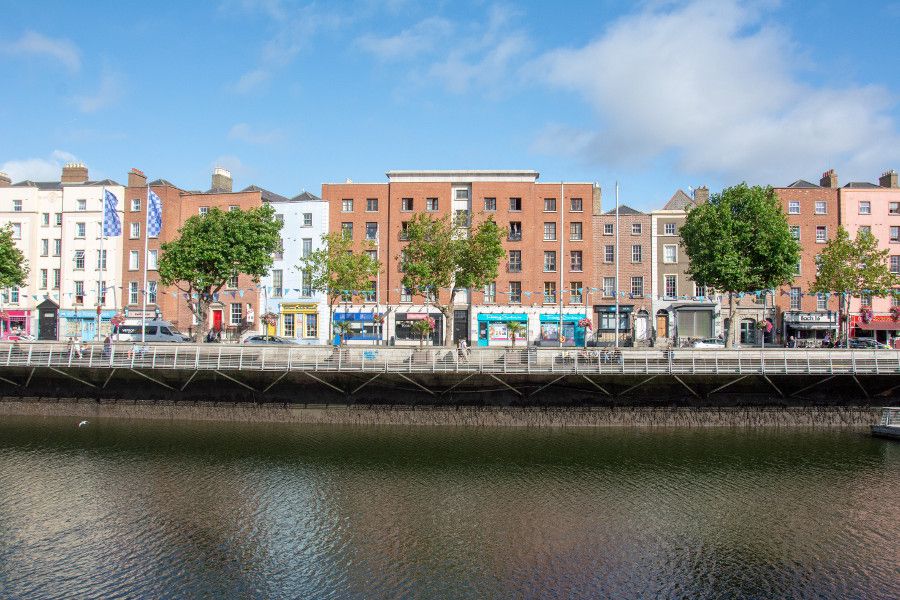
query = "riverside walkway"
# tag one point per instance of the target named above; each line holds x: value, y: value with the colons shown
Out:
x: 437, y: 370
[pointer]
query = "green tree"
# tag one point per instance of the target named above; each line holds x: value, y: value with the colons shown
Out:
x: 448, y: 255
x: 424, y: 328
x: 338, y: 272
x: 13, y: 266
x: 214, y: 247
x: 739, y: 241
x: 852, y: 268
x: 514, y: 328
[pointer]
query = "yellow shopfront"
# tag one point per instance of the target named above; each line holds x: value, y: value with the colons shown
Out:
x: 300, y: 320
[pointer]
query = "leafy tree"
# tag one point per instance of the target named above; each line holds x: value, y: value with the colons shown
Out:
x: 424, y: 328
x: 739, y: 241
x: 444, y: 255
x: 514, y: 329
x: 338, y: 272
x: 212, y: 248
x: 13, y: 266
x: 853, y: 268
x: 343, y: 329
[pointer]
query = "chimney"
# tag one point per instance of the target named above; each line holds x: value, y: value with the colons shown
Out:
x: 829, y: 179
x: 136, y: 178
x: 221, y: 180
x: 5, y: 181
x: 701, y: 195
x: 74, y: 173
x: 596, y: 201
x: 888, y: 179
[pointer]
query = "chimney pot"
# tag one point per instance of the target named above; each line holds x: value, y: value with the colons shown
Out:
x: 221, y: 180
x: 5, y: 181
x: 829, y: 179
x: 136, y: 178
x: 74, y: 172
x: 888, y: 179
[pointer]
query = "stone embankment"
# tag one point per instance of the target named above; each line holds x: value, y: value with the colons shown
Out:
x: 487, y: 416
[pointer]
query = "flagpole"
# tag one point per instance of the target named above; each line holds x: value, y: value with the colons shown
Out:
x: 144, y: 261
x: 618, y: 251
x: 100, y: 276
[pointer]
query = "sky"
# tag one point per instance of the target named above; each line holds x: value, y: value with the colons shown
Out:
x: 655, y: 95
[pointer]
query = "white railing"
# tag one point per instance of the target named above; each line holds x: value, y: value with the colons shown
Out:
x: 890, y: 416
x: 447, y: 360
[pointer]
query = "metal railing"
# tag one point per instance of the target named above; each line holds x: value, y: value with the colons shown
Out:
x: 890, y: 416
x: 448, y: 360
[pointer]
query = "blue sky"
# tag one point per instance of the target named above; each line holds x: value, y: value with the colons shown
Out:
x: 657, y: 95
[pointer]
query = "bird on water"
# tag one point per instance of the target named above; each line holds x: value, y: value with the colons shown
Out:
x: 83, y: 424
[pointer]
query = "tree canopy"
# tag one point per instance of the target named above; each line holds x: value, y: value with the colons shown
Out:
x: 13, y: 266
x: 213, y: 248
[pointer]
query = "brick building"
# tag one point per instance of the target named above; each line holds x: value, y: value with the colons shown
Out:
x: 548, y: 264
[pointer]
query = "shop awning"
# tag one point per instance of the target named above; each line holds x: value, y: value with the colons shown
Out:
x: 692, y: 306
x: 879, y: 326
x: 808, y: 326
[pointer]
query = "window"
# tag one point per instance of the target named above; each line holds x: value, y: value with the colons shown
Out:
x: 490, y: 204
x: 307, y: 247
x: 306, y: 283
x: 82, y: 205
x: 234, y: 208
x: 347, y: 205
x: 576, y: 205
x: 549, y: 292
x: 101, y: 259
x: 289, y: 324
x: 515, y: 261
x: 637, y: 253
x: 45, y: 219
x: 347, y: 230
x: 232, y: 282
x: 312, y: 325
x: 794, y: 207
x: 152, y: 260
x: 820, y: 207
x: 80, y: 230
x: 515, y: 292
x: 57, y: 247
x: 867, y: 229
x: 670, y: 284
x: 576, y: 293
x: 462, y: 194
x: 59, y: 219
x: 549, y: 204
x: 277, y: 283
x: 133, y: 260
x: 669, y: 228
x: 133, y: 292
x: 609, y: 253
x: 895, y: 234
x: 371, y: 231
x: 549, y: 261
x: 406, y: 204
x: 79, y: 260
x: 279, y: 249
x: 79, y: 292
x: 797, y: 267
x: 406, y: 295
x: 699, y: 290
x: 866, y: 299
x: 43, y: 279
x: 307, y: 219
x: 490, y: 293
x: 607, y: 321
x: 637, y: 287
x: 17, y: 206
x: 895, y: 299
x: 636, y: 229
x: 151, y: 292
x: 795, y: 298
x: 549, y: 232
x: 237, y: 313
x: 821, y: 234
x: 45, y: 247
x: 16, y: 231
x: 894, y: 208
x: 895, y: 264
x: 865, y: 207
x: 11, y: 295
x: 821, y: 302
x: 576, y: 261
x: 609, y: 287
x: 371, y: 204
x: 575, y: 231
x: 203, y: 210
x: 135, y: 204
x: 670, y: 253
x: 404, y: 231
x: 795, y: 231
x: 431, y: 204
x: 135, y: 231
x: 515, y: 231
x: 56, y: 278
x: 461, y: 218
x: 515, y: 204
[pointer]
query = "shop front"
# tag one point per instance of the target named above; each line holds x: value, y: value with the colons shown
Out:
x: 82, y: 324
x: 363, y: 326
x: 15, y: 323
x: 572, y: 334
x: 881, y: 327
x: 809, y: 328
x: 606, y: 322
x: 405, y: 332
x: 300, y: 321
x: 493, y: 328
x: 694, y: 321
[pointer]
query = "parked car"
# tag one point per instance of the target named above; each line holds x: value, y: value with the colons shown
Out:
x: 268, y: 339
x: 867, y: 344
x: 710, y: 343
x: 154, y: 331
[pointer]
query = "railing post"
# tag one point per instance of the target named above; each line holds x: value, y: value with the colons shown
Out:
x: 875, y: 356
x: 219, y: 359
x: 262, y: 359
x: 153, y: 359
x: 9, y: 354
x: 91, y: 357
x: 808, y: 364
x: 197, y: 357
x: 240, y: 358
x: 853, y: 360
x: 175, y: 358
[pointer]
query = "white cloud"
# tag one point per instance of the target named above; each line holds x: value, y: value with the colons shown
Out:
x: 715, y: 85
x: 35, y: 44
x: 245, y: 133
x: 409, y: 43
x: 107, y: 93
x: 251, y: 80
x: 38, y: 169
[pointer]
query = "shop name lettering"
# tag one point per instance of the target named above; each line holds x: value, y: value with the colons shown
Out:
x: 823, y: 318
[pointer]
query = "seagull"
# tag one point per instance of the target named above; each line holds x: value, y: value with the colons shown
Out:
x: 83, y: 424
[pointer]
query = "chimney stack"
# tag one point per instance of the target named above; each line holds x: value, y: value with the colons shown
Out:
x: 701, y: 195
x: 221, y: 180
x: 74, y: 173
x: 596, y: 200
x: 829, y: 179
x: 888, y: 179
x: 5, y: 181
x: 136, y: 178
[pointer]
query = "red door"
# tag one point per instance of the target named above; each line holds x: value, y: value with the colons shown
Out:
x: 217, y: 320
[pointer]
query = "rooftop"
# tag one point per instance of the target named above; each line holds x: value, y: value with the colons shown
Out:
x: 679, y: 201
x: 802, y: 183
x: 463, y: 175
x: 624, y: 210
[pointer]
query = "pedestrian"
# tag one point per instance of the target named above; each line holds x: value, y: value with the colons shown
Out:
x: 107, y: 347
x: 826, y: 341
x: 792, y: 343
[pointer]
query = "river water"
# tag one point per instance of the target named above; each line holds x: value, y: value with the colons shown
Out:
x: 138, y: 509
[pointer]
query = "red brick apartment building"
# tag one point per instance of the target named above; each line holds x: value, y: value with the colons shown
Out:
x: 548, y: 244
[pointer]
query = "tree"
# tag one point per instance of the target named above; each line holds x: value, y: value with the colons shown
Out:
x: 853, y: 268
x: 13, y: 266
x: 423, y: 327
x: 443, y: 255
x: 514, y: 328
x: 338, y: 272
x: 739, y: 241
x: 213, y: 248
x: 343, y: 329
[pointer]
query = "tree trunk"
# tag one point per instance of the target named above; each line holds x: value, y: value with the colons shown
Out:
x: 448, y: 313
x: 845, y: 302
x: 330, y: 335
x: 729, y: 331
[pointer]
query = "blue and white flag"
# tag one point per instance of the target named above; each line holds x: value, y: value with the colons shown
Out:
x: 154, y: 215
x: 112, y: 226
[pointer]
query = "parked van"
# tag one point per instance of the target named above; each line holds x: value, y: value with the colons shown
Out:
x: 154, y: 331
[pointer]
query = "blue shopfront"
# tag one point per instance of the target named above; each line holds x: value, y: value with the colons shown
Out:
x: 493, y: 329
x: 362, y: 326
x: 572, y: 334
x: 82, y: 324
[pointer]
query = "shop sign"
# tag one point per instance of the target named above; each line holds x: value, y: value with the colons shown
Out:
x: 504, y: 317
x: 299, y: 307
x: 567, y: 318
x: 811, y: 317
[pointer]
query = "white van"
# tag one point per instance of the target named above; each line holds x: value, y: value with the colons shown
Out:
x: 154, y: 331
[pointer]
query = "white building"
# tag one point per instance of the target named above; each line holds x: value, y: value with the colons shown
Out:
x: 302, y: 314
x: 59, y: 225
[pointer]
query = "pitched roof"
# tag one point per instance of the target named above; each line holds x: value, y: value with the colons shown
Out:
x: 41, y: 185
x: 102, y: 182
x: 624, y: 210
x: 306, y: 197
x: 862, y: 185
x: 266, y: 195
x: 679, y: 201
x: 802, y: 183
x: 158, y: 182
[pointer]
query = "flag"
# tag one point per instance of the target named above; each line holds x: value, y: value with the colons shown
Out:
x: 154, y: 215
x: 112, y: 226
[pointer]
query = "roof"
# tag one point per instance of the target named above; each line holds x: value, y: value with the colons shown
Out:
x: 463, y: 175
x: 266, y: 195
x: 802, y: 183
x: 102, y: 182
x: 306, y: 197
x: 862, y: 185
x: 624, y: 210
x: 679, y: 201
x: 165, y: 182
x: 41, y: 185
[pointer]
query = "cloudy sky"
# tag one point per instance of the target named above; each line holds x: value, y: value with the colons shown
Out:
x: 656, y: 95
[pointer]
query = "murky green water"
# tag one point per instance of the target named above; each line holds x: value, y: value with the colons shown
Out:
x: 160, y: 510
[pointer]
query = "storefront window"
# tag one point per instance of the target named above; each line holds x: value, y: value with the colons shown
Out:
x: 289, y: 325
x: 312, y: 325
x: 404, y: 330
x: 607, y: 321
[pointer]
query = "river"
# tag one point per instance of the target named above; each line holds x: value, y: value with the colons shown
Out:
x: 153, y: 509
